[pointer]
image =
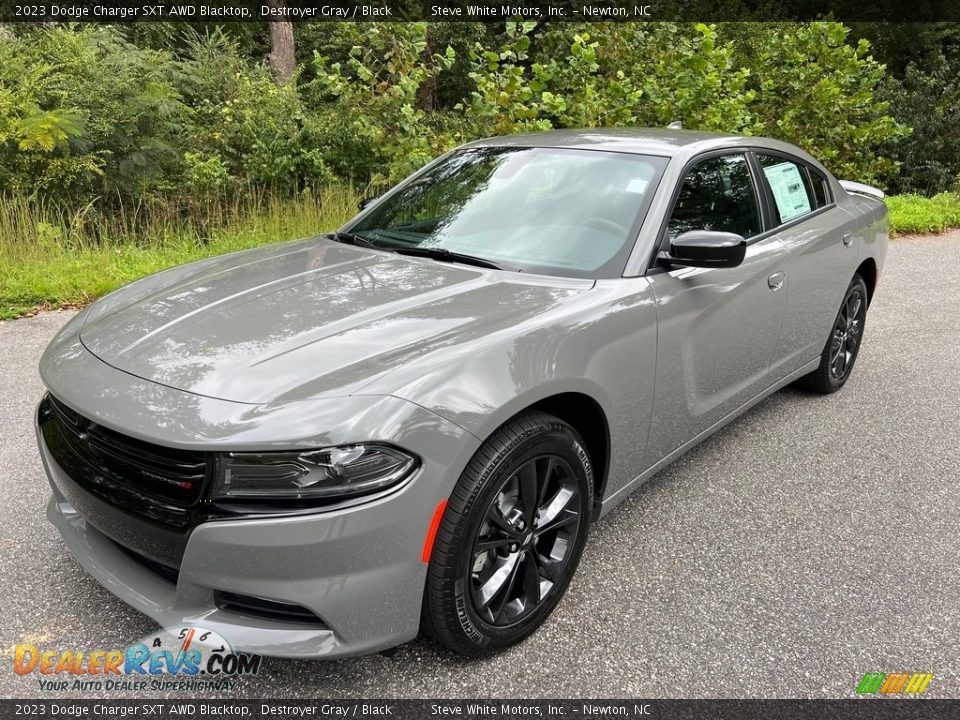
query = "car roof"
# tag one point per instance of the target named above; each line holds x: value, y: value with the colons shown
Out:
x: 642, y: 141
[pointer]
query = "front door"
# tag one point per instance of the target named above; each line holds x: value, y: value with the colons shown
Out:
x: 717, y: 327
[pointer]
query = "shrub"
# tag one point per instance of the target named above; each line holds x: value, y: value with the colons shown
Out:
x: 928, y: 99
x: 370, y: 123
x: 916, y: 214
x: 815, y: 90
x: 798, y: 82
x: 84, y: 112
x: 689, y: 74
x: 246, y: 128
x: 606, y: 74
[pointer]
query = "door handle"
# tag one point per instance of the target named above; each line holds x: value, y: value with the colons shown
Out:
x: 775, y: 281
x: 848, y: 240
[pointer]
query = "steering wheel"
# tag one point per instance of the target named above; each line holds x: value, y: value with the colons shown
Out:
x: 607, y: 225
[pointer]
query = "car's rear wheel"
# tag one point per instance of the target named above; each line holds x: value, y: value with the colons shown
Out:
x: 511, y: 536
x: 843, y: 345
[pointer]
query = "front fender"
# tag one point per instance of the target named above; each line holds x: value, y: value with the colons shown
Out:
x: 604, y: 348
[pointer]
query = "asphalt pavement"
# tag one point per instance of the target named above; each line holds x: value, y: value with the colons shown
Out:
x: 811, y: 541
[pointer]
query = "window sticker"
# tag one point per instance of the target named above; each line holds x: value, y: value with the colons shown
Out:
x: 637, y: 185
x: 788, y: 190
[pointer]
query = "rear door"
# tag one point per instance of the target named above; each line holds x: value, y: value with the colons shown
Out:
x: 717, y: 327
x: 818, y: 238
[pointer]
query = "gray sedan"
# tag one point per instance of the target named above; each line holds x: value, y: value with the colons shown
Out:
x: 320, y: 448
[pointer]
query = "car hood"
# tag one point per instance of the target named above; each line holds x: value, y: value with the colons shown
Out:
x: 306, y: 319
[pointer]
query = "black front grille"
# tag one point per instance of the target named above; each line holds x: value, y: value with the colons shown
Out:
x: 266, y: 609
x: 157, y: 483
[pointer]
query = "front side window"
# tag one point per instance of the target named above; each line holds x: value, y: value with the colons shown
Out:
x: 717, y: 194
x: 790, y: 185
x: 548, y: 210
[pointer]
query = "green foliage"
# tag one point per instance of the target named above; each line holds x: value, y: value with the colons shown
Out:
x: 206, y: 173
x: 246, y: 128
x: 917, y: 214
x: 509, y: 94
x: 924, y: 93
x: 561, y: 82
x: 691, y: 75
x: 84, y: 112
x: 798, y: 82
x: 125, y: 149
x: 88, y: 112
x: 55, y: 256
x: 606, y: 75
x: 371, y: 123
x: 819, y: 92
x: 46, y: 130
x: 929, y: 101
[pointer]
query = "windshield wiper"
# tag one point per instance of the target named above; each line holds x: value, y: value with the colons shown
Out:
x: 415, y: 250
x: 354, y: 239
x: 446, y: 255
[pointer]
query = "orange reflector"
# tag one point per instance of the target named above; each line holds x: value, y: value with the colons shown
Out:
x: 432, y: 531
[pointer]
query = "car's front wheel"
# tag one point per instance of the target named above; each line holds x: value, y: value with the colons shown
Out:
x: 511, y: 536
x: 842, y: 347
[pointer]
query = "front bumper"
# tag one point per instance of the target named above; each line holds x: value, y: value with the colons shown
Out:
x: 359, y: 569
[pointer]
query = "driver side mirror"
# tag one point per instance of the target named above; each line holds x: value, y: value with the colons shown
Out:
x: 367, y: 202
x: 707, y: 248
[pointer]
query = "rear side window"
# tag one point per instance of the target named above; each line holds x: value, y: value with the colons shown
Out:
x: 820, y: 192
x: 717, y: 194
x: 790, y: 185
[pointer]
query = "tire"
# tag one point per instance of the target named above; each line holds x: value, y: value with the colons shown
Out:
x: 846, y: 335
x: 471, y: 603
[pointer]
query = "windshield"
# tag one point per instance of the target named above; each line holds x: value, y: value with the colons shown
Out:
x: 546, y: 210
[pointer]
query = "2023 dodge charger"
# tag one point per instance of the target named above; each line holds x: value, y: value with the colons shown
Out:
x: 320, y: 447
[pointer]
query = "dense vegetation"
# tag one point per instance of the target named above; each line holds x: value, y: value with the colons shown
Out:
x: 99, y: 111
x: 139, y: 146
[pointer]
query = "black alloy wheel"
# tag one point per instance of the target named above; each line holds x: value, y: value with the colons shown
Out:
x: 511, y: 536
x: 842, y: 347
x: 847, y: 331
x: 525, y: 541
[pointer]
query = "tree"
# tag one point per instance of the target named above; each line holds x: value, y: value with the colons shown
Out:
x: 282, y: 50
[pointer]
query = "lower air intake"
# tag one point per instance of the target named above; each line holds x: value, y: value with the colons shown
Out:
x: 265, y: 609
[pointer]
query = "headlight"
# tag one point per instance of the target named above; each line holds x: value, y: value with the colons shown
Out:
x: 311, y: 474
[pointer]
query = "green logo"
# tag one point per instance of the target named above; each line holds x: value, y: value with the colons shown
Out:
x: 878, y: 683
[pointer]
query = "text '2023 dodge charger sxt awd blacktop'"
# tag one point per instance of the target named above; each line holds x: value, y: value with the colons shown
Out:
x: 320, y: 448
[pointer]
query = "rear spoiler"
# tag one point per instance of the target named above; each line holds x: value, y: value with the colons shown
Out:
x: 861, y: 189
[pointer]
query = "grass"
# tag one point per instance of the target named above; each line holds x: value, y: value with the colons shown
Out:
x: 916, y: 214
x: 53, y: 257
x: 50, y: 257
